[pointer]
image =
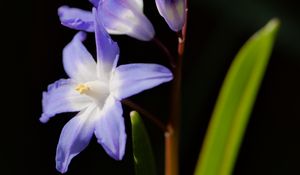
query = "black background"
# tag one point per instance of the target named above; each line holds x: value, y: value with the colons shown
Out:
x: 216, y: 31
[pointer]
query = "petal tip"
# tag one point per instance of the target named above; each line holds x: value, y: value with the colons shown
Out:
x: 61, y: 9
x: 117, y: 157
x: 80, y: 35
x: 44, y: 118
x: 61, y: 168
x: 173, y: 12
x: 117, y: 152
x: 94, y: 11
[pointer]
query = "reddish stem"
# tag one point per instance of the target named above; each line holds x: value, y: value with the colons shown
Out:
x: 173, y: 125
x: 167, y: 52
x: 144, y: 113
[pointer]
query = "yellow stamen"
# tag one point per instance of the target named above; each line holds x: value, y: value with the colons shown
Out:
x: 82, y: 88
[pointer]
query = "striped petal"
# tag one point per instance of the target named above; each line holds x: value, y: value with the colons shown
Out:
x: 62, y: 97
x: 74, y: 137
x: 75, y: 18
x: 128, y: 20
x: 107, y: 49
x: 131, y: 79
x: 173, y: 13
x: 78, y: 62
x: 110, y: 129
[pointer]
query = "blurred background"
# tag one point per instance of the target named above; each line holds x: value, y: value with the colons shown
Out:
x: 216, y: 31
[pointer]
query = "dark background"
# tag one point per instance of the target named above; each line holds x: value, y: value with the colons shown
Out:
x: 216, y: 31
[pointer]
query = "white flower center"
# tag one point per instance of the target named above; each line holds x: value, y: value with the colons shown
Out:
x: 97, y: 90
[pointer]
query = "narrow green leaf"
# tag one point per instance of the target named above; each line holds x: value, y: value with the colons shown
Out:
x: 235, y: 103
x: 142, y: 150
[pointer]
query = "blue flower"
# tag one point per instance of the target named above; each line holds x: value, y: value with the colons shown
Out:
x: 173, y: 12
x: 118, y: 17
x: 95, y: 88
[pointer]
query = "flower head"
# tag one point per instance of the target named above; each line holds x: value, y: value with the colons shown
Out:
x: 118, y: 17
x: 173, y: 12
x: 95, y: 88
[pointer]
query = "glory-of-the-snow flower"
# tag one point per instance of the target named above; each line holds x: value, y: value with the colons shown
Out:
x: 95, y: 88
x: 119, y: 17
x: 173, y: 12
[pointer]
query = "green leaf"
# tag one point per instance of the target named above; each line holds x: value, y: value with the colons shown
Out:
x: 142, y: 150
x: 235, y: 102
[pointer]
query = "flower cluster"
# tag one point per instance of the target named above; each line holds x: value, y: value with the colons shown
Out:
x: 95, y: 87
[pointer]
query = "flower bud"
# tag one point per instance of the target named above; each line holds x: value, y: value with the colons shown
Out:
x: 173, y: 12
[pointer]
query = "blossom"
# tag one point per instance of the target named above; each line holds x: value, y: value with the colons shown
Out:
x: 118, y: 17
x: 173, y: 12
x: 95, y: 88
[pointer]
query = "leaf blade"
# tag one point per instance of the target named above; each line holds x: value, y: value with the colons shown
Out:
x: 142, y: 151
x: 235, y: 102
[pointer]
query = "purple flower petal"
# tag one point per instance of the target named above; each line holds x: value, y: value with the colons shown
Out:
x: 76, y: 18
x: 74, y: 137
x: 94, y: 2
x: 138, y: 4
x: 62, y: 97
x: 126, y: 17
x: 131, y: 79
x: 173, y: 12
x: 107, y: 49
x: 78, y: 62
x: 110, y: 129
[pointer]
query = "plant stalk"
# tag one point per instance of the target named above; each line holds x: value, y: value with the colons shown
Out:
x: 145, y: 114
x: 173, y: 125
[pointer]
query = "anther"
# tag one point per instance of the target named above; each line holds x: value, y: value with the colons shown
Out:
x: 82, y: 88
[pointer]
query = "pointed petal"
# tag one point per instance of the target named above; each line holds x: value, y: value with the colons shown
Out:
x: 131, y: 79
x: 74, y: 137
x: 110, y: 129
x: 75, y: 18
x: 107, y: 49
x: 129, y: 20
x: 173, y: 12
x: 78, y: 62
x: 62, y: 97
